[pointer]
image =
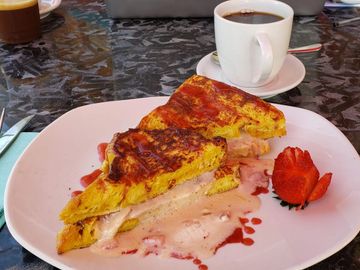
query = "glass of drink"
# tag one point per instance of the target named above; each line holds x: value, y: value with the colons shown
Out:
x: 19, y: 21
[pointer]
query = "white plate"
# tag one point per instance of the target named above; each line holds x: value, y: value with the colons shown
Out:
x: 46, y: 6
x: 290, y: 75
x: 38, y: 189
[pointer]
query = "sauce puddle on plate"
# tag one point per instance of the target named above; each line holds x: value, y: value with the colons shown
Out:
x: 187, y: 224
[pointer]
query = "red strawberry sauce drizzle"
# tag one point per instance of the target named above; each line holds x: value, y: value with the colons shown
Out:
x: 195, y: 261
x: 101, y: 151
x: 238, y: 235
x: 75, y: 193
x: 89, y: 178
x: 260, y: 190
x: 249, y: 230
x: 200, y: 265
x: 203, y: 267
x: 243, y: 220
x: 256, y: 221
x: 133, y: 251
x: 181, y: 257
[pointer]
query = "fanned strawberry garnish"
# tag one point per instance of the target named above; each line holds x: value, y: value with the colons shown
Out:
x: 320, y: 188
x: 296, y: 179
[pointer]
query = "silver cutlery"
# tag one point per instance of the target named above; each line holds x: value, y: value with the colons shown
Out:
x: 2, y: 118
x: 10, y: 135
x: 338, y: 23
x: 306, y: 49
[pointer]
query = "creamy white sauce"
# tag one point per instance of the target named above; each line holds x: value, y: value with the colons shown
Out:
x: 184, y: 221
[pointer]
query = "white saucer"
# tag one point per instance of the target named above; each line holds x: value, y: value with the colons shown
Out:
x: 46, y: 6
x: 290, y: 75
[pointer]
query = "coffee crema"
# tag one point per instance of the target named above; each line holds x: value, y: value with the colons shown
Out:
x: 19, y: 21
x: 253, y: 17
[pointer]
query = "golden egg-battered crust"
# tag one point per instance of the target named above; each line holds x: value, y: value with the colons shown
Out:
x: 140, y: 155
x: 143, y: 164
x: 216, y: 109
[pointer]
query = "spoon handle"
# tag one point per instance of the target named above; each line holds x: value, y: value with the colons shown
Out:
x: 304, y: 49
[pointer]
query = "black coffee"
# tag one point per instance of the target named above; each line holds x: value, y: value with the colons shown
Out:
x: 253, y: 17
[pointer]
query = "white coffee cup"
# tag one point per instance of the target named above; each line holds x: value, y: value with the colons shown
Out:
x: 251, y: 55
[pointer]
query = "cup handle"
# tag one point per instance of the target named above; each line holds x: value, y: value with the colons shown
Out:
x: 267, y: 57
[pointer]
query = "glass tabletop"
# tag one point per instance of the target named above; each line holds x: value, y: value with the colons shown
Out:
x: 84, y: 57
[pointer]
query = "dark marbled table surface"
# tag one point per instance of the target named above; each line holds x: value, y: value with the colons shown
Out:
x: 84, y: 57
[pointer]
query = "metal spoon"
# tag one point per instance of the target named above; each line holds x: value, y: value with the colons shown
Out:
x: 304, y: 49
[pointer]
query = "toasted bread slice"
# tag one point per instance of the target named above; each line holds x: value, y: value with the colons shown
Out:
x: 144, y: 164
x: 216, y: 109
x: 78, y: 235
x: 85, y: 233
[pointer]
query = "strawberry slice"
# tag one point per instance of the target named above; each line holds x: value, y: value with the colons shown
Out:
x: 320, y: 188
x: 296, y: 179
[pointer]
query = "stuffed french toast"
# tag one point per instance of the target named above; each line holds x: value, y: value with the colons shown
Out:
x: 139, y: 165
x: 192, y: 147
